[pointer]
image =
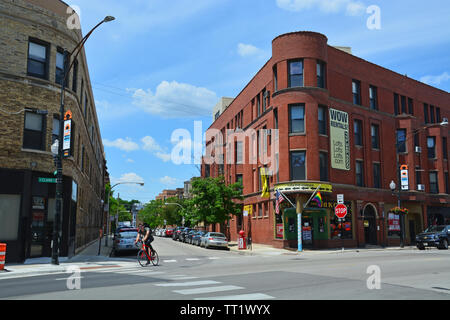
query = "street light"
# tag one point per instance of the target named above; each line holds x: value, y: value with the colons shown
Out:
x: 167, y: 203
x: 109, y: 191
x: 59, y: 157
x: 392, y: 185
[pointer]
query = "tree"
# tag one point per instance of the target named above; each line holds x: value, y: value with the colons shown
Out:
x: 213, y: 201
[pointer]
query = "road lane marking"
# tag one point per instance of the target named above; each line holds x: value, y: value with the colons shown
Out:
x: 169, y: 261
x: 250, y: 296
x: 207, y: 290
x: 192, y: 259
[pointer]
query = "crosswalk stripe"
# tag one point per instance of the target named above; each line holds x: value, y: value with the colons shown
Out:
x: 207, y: 290
x: 169, y: 260
x: 186, y: 284
x: 249, y: 296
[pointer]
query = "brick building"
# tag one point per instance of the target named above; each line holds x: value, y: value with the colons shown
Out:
x: 167, y: 193
x: 338, y: 120
x: 33, y: 35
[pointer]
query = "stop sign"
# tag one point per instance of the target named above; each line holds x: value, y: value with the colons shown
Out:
x: 340, y: 211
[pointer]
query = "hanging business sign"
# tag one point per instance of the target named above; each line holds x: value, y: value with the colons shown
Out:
x: 404, y: 182
x: 339, y: 140
x: 66, y: 137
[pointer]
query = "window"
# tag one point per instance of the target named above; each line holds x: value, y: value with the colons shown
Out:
x: 403, y: 101
x: 425, y: 113
x: 410, y: 106
x: 323, y: 159
x: 55, y: 129
x: 239, y: 156
x: 264, y: 96
x: 296, y: 73
x: 418, y: 176
x: 375, y: 135
x: 376, y: 175
x: 82, y: 158
x: 38, y: 59
x: 216, y: 116
x: 357, y: 128
x: 275, y: 79
x: 275, y: 116
x: 75, y: 76
x: 444, y: 148
x: 395, y: 104
x: 359, y: 173
x: 239, y: 178
x: 417, y: 140
x: 297, y: 118
x: 431, y: 144
x: 34, y: 131
x: 9, y: 216
x: 373, y: 96
x: 432, y: 114
x: 321, y: 74
x: 60, y: 63
x: 356, y: 90
x: 401, y: 140
x: 446, y: 182
x: 322, y: 120
x: 434, y: 188
x: 298, y: 165
x: 438, y: 115
x: 258, y: 105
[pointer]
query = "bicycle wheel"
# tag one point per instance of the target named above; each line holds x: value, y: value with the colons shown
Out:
x: 155, y: 258
x: 142, y: 258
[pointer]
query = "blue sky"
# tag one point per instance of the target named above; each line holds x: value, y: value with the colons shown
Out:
x: 161, y: 65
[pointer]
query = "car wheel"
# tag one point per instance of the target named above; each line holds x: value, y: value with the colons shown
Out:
x: 444, y: 245
x: 420, y: 247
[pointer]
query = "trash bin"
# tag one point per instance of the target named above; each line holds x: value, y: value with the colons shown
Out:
x: 2, y: 255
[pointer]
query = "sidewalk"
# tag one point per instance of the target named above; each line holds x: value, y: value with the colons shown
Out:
x: 261, y: 249
x: 87, y: 258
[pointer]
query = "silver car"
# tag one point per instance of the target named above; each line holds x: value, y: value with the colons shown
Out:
x: 124, y: 240
x: 214, y: 239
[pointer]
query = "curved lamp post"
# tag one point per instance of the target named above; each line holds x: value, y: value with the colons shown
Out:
x: 59, y: 157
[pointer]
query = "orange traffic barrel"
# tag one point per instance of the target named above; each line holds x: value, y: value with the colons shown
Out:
x: 2, y: 255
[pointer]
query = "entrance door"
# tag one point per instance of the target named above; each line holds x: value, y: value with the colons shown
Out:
x: 412, y: 232
x: 37, y: 227
x: 370, y: 226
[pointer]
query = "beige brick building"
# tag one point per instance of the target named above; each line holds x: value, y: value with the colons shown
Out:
x: 33, y: 35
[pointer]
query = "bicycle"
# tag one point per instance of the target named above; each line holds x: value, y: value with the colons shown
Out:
x: 143, y: 256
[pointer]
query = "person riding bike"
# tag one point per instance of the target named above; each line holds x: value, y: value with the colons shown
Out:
x: 145, y: 234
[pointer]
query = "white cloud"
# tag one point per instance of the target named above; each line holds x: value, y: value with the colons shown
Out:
x: 153, y: 147
x: 130, y: 160
x: 128, y: 177
x: 176, y: 100
x: 245, y: 50
x: 435, y: 80
x: 351, y: 7
x: 168, y: 180
x: 124, y: 145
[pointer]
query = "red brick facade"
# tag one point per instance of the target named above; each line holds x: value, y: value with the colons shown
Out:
x: 369, y: 204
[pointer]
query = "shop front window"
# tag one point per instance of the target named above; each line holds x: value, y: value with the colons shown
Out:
x: 393, y: 226
x: 337, y: 226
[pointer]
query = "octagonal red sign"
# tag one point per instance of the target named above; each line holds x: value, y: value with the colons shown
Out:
x: 340, y: 211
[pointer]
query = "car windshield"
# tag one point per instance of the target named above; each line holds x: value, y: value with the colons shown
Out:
x: 216, y: 235
x: 128, y: 234
x: 435, y: 229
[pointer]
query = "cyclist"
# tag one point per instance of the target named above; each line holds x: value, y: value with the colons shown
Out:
x: 145, y: 234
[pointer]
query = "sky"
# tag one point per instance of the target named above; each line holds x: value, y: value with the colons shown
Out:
x: 158, y: 70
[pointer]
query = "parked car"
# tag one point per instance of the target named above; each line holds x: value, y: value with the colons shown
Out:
x: 168, y: 232
x: 124, y: 241
x: 189, y: 235
x: 183, y: 234
x: 176, y: 233
x: 196, y: 237
x: 214, y: 239
x: 434, y: 236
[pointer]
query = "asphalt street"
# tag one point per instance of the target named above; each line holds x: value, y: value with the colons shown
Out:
x: 188, y: 272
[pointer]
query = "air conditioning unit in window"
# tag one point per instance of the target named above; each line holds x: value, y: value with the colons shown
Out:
x: 421, y: 187
x: 418, y: 149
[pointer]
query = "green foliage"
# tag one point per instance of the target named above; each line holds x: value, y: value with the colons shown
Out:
x: 213, y: 200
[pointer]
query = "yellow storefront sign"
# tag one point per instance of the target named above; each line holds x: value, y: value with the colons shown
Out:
x: 303, y: 187
x: 248, y: 210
